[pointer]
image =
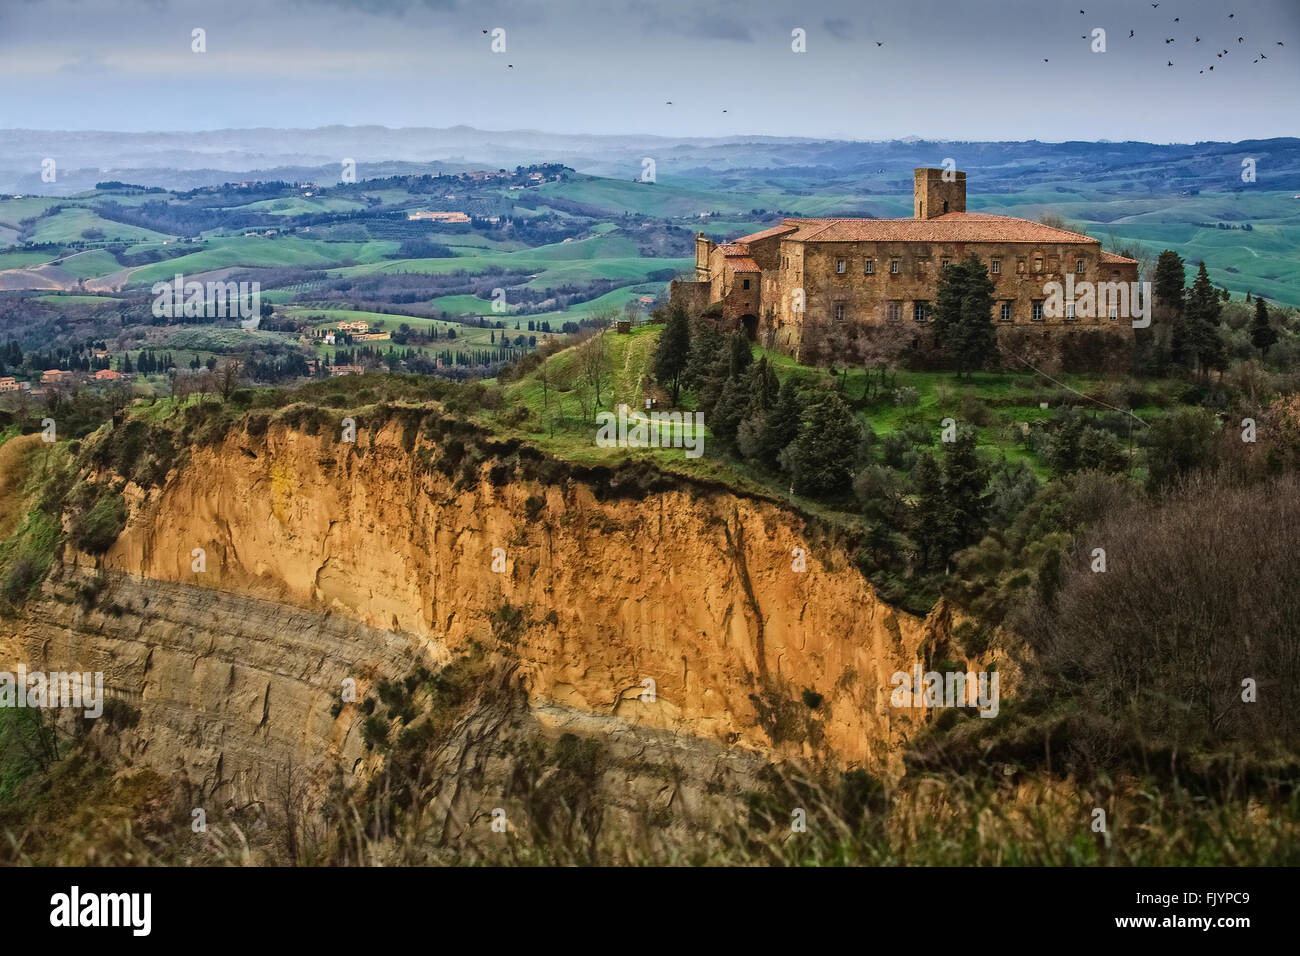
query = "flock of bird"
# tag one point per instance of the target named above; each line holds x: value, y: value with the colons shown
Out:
x: 1196, y: 39
x: 1132, y: 34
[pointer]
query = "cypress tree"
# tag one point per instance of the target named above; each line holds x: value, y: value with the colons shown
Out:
x: 740, y: 356
x: 780, y: 425
x: 674, y: 350
x: 1262, y: 335
x: 963, y: 315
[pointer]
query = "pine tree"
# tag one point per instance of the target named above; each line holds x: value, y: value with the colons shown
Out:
x: 740, y: 356
x: 823, y: 457
x: 780, y: 425
x: 1262, y: 335
x: 674, y: 350
x: 1170, y: 281
x: 963, y: 315
x: 965, y: 479
x: 933, y: 524
x: 1201, y: 318
x: 731, y: 408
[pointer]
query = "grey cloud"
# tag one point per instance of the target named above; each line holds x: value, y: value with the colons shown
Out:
x: 838, y: 27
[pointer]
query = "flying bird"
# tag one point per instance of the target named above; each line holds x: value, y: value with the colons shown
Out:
x: 1198, y: 39
x: 669, y: 103
x: 879, y: 43
x: 1263, y: 57
x: 1280, y: 43
x: 1170, y: 63
x: 1154, y: 5
x: 1239, y: 39
x: 1044, y: 59
x: 1231, y: 15
x: 1130, y: 33
x: 1175, y: 19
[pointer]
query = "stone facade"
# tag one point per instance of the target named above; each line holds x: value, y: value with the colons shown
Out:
x: 870, y: 271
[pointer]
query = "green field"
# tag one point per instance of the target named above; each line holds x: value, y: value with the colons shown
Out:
x: 69, y: 224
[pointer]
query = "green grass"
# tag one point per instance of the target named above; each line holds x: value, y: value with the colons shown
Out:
x: 90, y: 264
x: 69, y: 224
x: 298, y: 206
x: 254, y: 251
x: 72, y: 298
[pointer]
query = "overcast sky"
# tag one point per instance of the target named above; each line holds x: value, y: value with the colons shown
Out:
x: 948, y: 69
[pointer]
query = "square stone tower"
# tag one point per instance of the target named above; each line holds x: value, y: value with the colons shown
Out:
x: 933, y: 196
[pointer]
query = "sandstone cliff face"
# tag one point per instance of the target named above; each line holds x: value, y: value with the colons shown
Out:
x: 328, y: 560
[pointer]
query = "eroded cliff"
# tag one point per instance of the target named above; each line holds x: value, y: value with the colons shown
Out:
x: 320, y: 560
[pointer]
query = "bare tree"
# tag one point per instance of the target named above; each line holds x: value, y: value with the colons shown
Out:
x: 593, y: 365
x: 878, y: 349
x: 228, y: 375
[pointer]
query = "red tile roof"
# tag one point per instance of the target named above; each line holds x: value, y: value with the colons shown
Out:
x: 742, y: 264
x: 951, y: 227
x: 1111, y: 259
x: 734, y: 249
x: 785, y: 227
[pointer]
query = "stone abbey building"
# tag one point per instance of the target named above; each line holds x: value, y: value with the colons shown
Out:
x: 803, y: 271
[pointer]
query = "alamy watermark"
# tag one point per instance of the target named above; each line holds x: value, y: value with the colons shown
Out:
x: 212, y: 300
x: 1086, y: 300
x: 55, y: 689
x: 946, y: 689
x: 654, y: 430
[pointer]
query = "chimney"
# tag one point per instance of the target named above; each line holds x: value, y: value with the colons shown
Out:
x: 938, y: 191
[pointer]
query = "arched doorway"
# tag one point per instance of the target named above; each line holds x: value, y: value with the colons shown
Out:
x: 750, y: 324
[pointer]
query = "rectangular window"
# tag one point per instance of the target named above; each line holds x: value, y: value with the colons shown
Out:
x: 1114, y: 313
x: 919, y: 309
x: 1005, y: 315
x: 893, y: 267
x: 943, y: 263
x: 1038, y: 264
x: 997, y: 266
x: 895, y: 311
x: 839, y: 266
x: 1052, y: 264
x: 1078, y: 267
x: 1069, y: 311
x: 1038, y: 310
x: 839, y: 313
x: 746, y: 281
x: 869, y: 268
x: 1020, y: 266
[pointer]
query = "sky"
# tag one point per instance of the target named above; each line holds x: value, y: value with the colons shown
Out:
x: 871, y: 69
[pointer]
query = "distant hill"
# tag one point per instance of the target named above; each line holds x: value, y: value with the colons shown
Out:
x: 182, y: 160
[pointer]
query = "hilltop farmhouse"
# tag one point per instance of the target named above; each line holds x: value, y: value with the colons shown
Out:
x: 775, y: 282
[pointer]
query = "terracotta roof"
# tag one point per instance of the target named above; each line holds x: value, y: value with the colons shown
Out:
x: 734, y: 249
x: 769, y: 233
x: 1110, y: 258
x: 951, y: 227
x: 742, y: 264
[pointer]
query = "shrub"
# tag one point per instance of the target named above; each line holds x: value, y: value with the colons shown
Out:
x: 95, y: 530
